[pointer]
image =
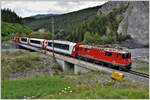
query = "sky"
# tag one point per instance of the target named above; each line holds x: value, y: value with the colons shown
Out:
x: 30, y: 8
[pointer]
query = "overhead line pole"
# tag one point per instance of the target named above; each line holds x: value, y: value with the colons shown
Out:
x: 53, y: 34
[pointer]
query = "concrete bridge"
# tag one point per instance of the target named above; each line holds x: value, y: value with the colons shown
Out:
x: 70, y: 64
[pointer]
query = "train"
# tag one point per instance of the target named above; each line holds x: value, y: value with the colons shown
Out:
x: 116, y: 58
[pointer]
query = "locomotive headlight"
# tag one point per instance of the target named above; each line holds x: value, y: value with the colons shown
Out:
x: 114, y: 61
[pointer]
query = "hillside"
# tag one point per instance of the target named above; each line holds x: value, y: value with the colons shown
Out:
x: 121, y: 22
x: 8, y: 30
x: 10, y: 16
x: 66, y: 22
x: 12, y: 25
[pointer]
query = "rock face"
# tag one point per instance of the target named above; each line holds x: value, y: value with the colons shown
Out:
x: 135, y: 21
x: 109, y: 6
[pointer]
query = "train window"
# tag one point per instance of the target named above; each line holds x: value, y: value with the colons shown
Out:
x: 87, y: 50
x: 108, y: 53
x: 35, y: 41
x: 119, y: 55
x: 80, y: 48
x: 50, y: 44
x: 24, y: 39
x: 61, y: 46
x: 125, y: 55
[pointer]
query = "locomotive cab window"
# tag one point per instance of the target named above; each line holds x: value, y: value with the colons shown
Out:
x: 87, y: 50
x: 35, y: 41
x: 24, y: 39
x: 108, y: 54
x: 124, y: 56
x: 127, y: 55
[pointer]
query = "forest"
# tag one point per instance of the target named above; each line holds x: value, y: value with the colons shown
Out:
x: 80, y: 26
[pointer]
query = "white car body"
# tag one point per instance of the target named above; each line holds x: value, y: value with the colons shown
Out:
x: 34, y: 44
x: 70, y: 44
x: 24, y: 41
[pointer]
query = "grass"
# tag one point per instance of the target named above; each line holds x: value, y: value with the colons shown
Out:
x: 9, y: 28
x: 63, y: 86
x: 109, y: 92
x: 35, y: 87
x: 22, y: 61
x: 140, y: 66
x: 17, y: 61
x: 56, y: 87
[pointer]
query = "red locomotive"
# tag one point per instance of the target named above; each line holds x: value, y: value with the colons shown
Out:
x: 108, y: 56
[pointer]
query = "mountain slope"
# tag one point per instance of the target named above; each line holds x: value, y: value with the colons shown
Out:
x: 8, y: 30
x: 136, y: 24
x: 66, y: 22
x: 122, y: 22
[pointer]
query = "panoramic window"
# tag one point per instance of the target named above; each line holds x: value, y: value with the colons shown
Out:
x: 24, y: 39
x: 35, y: 41
x: 61, y: 46
x: 50, y: 44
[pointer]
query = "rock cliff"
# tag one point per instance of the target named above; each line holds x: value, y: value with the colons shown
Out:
x: 135, y: 21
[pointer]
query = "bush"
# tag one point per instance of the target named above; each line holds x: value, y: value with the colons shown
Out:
x: 91, y: 38
x: 9, y: 30
x: 41, y: 35
x: 103, y: 29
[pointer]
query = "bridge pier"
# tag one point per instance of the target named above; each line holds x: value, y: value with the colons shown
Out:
x: 80, y: 69
x: 66, y: 66
x: 70, y: 67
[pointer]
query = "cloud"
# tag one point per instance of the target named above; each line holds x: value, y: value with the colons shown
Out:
x: 29, y: 8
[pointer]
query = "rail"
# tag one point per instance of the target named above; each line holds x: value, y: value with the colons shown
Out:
x: 139, y: 74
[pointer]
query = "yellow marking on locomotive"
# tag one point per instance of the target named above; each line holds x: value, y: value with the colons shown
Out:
x: 117, y: 75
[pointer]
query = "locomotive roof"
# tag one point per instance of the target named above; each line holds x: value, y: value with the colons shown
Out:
x: 120, y: 50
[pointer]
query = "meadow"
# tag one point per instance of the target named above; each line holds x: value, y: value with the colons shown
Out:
x: 56, y: 87
x: 92, y: 85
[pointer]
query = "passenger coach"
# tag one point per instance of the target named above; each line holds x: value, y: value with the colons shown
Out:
x: 64, y: 47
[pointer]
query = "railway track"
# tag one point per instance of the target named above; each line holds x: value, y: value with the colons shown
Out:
x: 139, y: 74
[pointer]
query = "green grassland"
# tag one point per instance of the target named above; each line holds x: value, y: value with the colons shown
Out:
x: 57, y: 87
x: 92, y: 85
x: 17, y: 61
x: 23, y: 61
x: 15, y: 28
x: 140, y: 66
x: 34, y: 87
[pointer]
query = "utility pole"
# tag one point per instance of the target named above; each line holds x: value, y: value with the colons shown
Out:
x: 53, y: 34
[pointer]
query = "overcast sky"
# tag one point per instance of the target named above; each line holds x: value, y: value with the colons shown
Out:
x: 29, y: 8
